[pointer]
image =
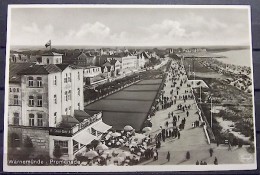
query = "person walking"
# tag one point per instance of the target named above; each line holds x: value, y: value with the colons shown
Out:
x: 168, y: 156
x: 187, y: 113
x: 216, y: 161
x: 210, y: 152
x: 179, y: 135
x: 154, y: 155
x: 197, y: 163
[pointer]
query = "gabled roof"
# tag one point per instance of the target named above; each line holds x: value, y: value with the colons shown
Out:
x: 14, y: 68
x: 81, y: 115
x: 107, y: 64
x: 40, y: 70
x: 68, y: 121
x: 62, y: 66
x: 113, y: 61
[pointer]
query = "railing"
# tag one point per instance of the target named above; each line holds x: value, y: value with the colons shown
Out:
x: 68, y: 132
x: 112, y: 92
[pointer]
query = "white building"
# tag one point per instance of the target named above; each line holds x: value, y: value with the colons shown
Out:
x: 51, y: 58
x: 92, y: 71
x: 46, y: 104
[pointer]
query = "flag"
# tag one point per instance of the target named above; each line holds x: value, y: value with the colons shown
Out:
x: 48, y: 44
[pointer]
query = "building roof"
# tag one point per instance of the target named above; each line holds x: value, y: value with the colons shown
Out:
x: 107, y: 64
x: 40, y: 70
x: 14, y: 68
x: 62, y: 66
x: 68, y: 121
x: 50, y: 53
x: 81, y: 115
x: 113, y: 61
x: 88, y: 67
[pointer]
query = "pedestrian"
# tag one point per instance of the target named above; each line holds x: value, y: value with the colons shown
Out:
x: 201, y: 163
x: 168, y: 156
x: 216, y: 161
x: 229, y: 147
x: 179, y: 135
x: 154, y: 155
x: 197, y: 163
x: 211, y: 152
x: 187, y: 113
x: 178, y: 117
x: 187, y: 155
x: 157, y: 155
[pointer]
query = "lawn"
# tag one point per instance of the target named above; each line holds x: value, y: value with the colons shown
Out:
x: 140, y: 87
x: 133, y: 95
x: 120, y: 119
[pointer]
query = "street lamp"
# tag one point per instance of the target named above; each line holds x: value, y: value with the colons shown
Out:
x: 189, y: 70
x: 211, y: 111
x: 194, y: 79
x: 200, y: 93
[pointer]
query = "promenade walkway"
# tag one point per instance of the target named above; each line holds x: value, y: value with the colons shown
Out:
x: 192, y: 139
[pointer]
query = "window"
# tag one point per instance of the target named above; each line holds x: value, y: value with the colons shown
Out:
x: 31, y: 100
x: 66, y: 96
x: 16, y: 118
x: 39, y: 81
x: 31, y: 119
x: 78, y: 76
x: 78, y: 91
x: 79, y: 106
x: 10, y: 89
x: 16, y: 100
x: 14, y: 90
x: 57, y: 60
x: 63, y: 146
x: 75, y: 146
x: 66, y: 111
x: 17, y: 89
x: 39, y: 120
x: 55, y: 99
x: 69, y: 78
x: 39, y: 101
x: 69, y: 110
x: 48, y: 61
x: 55, y: 80
x: 30, y: 81
x: 55, y: 118
x: 65, y: 79
x: 69, y: 95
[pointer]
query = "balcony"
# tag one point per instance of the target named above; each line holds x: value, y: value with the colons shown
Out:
x: 68, y: 132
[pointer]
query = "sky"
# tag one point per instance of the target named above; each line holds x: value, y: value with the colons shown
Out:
x: 129, y: 26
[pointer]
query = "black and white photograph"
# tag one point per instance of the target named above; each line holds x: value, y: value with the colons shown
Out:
x: 105, y: 88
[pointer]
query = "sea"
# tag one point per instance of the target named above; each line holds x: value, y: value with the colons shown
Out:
x: 236, y: 57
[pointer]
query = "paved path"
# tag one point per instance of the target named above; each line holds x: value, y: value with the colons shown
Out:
x: 192, y: 139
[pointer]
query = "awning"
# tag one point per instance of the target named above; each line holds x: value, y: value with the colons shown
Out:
x: 101, y: 127
x: 84, y: 137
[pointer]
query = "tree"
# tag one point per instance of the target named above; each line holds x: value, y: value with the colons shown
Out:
x: 57, y: 151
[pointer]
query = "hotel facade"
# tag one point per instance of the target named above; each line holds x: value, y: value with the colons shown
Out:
x: 46, y: 104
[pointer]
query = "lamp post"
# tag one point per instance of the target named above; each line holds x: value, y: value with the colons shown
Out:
x: 211, y: 108
x: 193, y: 79
x: 200, y: 93
x: 189, y: 70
